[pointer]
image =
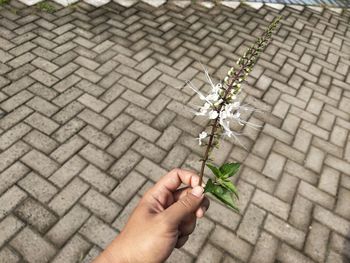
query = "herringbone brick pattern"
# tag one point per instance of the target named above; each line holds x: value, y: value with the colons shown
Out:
x: 94, y: 111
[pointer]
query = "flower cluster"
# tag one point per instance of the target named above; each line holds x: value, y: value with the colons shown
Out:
x: 222, y: 105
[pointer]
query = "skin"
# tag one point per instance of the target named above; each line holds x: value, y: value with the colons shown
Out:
x: 163, y: 220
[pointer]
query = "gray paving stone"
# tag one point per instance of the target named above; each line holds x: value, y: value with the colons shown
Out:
x: 33, y: 247
x: 95, y: 111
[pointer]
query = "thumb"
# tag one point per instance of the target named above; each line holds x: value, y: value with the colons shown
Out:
x: 185, y: 206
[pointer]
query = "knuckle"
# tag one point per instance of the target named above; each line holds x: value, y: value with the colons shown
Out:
x: 186, y: 203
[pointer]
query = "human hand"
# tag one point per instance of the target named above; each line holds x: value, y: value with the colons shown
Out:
x: 163, y: 220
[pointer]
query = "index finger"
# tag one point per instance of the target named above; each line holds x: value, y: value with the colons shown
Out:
x: 172, y: 180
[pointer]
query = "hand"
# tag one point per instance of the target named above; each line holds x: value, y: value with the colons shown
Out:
x: 163, y: 220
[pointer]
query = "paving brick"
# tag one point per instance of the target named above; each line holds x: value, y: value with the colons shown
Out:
x: 67, y: 171
x: 284, y: 231
x: 274, y: 166
x: 316, y: 242
x: 300, y: 215
x: 68, y: 149
x: 96, y: 156
x: 286, y: 188
x: 328, y: 147
x: 68, y: 225
x: 38, y: 187
x: 265, y: 249
x: 122, y: 218
x: 10, y: 199
x: 92, y: 102
x: 342, y: 207
x: 338, y: 164
x: 92, y: 254
x: 326, y: 121
x: 329, y: 180
x: 199, y: 237
x: 98, y: 232
x: 73, y: 250
x: 32, y: 246
x: 92, y: 118
x: 339, y: 136
x: 10, y: 155
x: 12, y: 135
x: 147, y: 149
x: 8, y: 228
x: 301, y: 172
x: 66, y: 198
x: 42, y: 123
x: 8, y: 256
x: 209, y: 254
x: 36, y: 215
x: 11, y: 175
x: 115, y: 108
x: 289, y: 255
x: 119, y: 124
x: 277, y: 133
x: 315, y: 195
x: 42, y: 106
x: 340, y: 245
x: 249, y: 229
x: 127, y: 188
x: 40, y: 163
x: 289, y: 152
x: 144, y: 131
x: 231, y: 243
x: 68, y: 130
x: 271, y: 204
x: 14, y: 117
x: 15, y: 101
x: 100, y: 205
x: 40, y: 141
x: 101, y: 181
x: 334, y: 222
x: 67, y: 96
x: 314, y: 160
x: 169, y: 137
x: 43, y: 77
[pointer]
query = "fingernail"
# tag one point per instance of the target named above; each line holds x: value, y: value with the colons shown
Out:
x: 197, y: 191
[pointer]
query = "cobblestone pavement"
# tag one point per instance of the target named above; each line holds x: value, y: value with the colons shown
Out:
x: 94, y: 110
x: 339, y: 3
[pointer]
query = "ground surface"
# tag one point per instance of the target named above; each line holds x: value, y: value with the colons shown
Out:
x: 93, y: 111
x: 335, y: 3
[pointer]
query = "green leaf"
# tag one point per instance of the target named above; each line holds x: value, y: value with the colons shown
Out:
x: 225, y: 196
x: 215, y: 170
x: 229, y: 169
x: 230, y: 186
x: 209, y: 186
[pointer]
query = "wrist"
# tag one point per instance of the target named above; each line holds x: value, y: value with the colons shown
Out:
x: 116, y: 252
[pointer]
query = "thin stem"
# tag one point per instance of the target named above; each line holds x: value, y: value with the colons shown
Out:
x: 227, y: 92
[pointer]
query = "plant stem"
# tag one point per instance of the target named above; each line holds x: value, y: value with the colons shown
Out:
x: 261, y: 44
x: 213, y: 130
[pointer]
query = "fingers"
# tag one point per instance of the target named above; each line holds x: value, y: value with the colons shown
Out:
x: 203, y: 208
x: 184, y: 207
x: 172, y: 180
x: 188, y: 225
x: 181, y: 241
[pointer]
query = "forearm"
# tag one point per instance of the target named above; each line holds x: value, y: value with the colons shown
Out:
x: 114, y: 253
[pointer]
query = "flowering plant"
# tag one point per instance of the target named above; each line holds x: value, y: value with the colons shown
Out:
x: 221, y: 107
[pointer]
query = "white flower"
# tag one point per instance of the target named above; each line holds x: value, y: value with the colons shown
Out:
x: 213, y: 115
x: 202, y: 136
x: 203, y: 110
x: 213, y: 97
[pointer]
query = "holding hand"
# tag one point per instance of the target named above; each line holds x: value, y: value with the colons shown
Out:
x: 163, y: 220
